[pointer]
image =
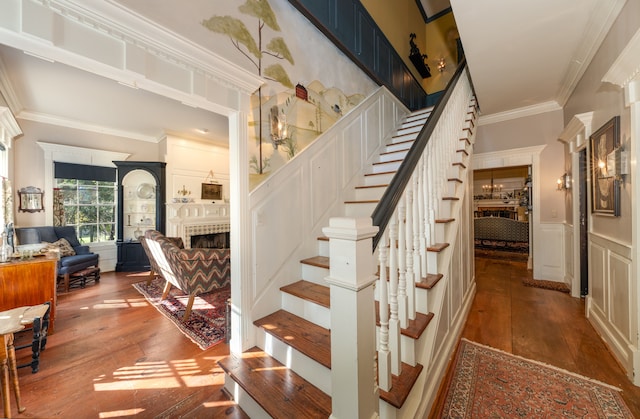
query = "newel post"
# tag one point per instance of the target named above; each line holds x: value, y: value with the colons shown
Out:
x: 354, y: 391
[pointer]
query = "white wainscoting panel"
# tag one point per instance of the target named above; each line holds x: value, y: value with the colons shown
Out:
x: 324, y: 181
x: 549, y: 258
x: 610, y: 297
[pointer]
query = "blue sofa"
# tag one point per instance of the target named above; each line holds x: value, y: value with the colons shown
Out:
x: 67, y: 265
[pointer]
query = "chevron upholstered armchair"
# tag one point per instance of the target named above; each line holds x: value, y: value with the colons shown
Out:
x: 193, y: 271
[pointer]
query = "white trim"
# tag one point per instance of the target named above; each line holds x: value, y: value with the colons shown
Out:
x: 576, y: 134
x: 71, y: 154
x: 627, y: 66
x: 80, y: 125
x: 525, y: 156
x: 519, y: 113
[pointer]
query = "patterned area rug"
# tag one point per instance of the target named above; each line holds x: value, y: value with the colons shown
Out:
x: 206, y: 326
x: 487, y: 383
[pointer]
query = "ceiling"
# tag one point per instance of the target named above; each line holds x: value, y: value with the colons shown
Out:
x: 524, y: 56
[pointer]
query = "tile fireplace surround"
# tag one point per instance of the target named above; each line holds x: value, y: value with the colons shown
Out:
x: 194, y: 219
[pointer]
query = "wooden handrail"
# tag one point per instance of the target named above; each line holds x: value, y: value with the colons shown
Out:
x: 385, y: 208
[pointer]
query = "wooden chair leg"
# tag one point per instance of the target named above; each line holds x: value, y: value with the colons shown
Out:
x: 187, y: 311
x: 4, y: 376
x: 66, y: 282
x: 13, y: 373
x: 167, y: 288
x: 152, y: 276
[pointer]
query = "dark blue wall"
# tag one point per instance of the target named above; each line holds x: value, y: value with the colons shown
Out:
x: 350, y: 27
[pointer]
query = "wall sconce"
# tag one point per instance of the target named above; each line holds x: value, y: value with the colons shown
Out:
x: 278, y: 127
x: 564, y: 182
x: 616, y: 164
x: 441, y: 64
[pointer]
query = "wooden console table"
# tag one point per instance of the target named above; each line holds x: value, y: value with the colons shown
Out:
x: 29, y: 283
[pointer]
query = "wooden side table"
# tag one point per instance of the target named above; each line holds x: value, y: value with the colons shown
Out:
x: 12, y: 321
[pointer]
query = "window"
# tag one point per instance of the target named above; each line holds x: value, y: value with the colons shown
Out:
x: 90, y: 206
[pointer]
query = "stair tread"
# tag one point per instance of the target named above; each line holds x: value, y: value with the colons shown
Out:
x: 277, y: 389
x: 309, y: 291
x: 415, y: 327
x: 444, y: 220
x: 386, y: 162
x: 381, y: 173
x: 319, y: 261
x: 429, y: 281
x: 382, y: 185
x: 460, y: 164
x: 437, y: 247
x: 306, y: 337
x: 363, y: 201
x: 455, y: 179
x: 401, y: 385
x: 403, y: 150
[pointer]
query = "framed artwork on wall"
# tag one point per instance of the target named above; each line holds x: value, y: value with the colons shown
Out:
x: 605, y: 186
x: 211, y: 191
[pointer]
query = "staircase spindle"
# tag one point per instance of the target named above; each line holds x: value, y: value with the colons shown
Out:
x: 394, y: 322
x: 410, y: 276
x: 384, y: 355
x: 402, y: 262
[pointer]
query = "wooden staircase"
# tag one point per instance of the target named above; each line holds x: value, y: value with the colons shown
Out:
x: 288, y: 373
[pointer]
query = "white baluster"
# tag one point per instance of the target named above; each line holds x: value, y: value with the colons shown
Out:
x: 384, y: 356
x: 394, y: 322
x: 410, y: 277
x: 402, y: 263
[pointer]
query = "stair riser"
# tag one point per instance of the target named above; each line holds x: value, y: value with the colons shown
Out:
x: 400, y: 147
x: 243, y: 399
x: 366, y: 194
x: 410, y: 130
x: 385, y: 167
x: 396, y: 155
x: 307, y: 310
x: 456, y: 171
x: 314, y: 274
x: 323, y: 248
x: 402, y: 138
x: 451, y: 188
x: 446, y: 208
x: 418, y: 117
x: 359, y: 210
x: 378, y: 179
x: 310, y: 370
x: 441, y: 232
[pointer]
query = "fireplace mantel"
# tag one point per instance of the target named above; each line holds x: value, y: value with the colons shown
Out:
x: 190, y: 219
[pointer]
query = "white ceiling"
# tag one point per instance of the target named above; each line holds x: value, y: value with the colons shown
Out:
x: 524, y: 56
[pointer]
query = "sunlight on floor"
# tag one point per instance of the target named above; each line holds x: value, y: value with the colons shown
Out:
x: 159, y: 375
x: 120, y: 413
x: 129, y: 302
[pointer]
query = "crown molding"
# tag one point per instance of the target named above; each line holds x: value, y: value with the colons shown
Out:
x: 7, y: 91
x: 602, y: 18
x: 627, y: 66
x: 544, y: 107
x: 71, y: 123
x: 109, y: 40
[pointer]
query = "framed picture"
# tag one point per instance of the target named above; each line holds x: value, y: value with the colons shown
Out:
x: 211, y: 191
x: 605, y: 186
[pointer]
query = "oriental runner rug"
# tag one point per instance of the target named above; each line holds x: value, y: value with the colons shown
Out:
x: 207, y: 324
x: 488, y: 383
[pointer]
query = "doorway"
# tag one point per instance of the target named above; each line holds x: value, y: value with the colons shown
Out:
x: 582, y: 198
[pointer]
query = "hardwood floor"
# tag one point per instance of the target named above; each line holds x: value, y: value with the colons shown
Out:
x: 113, y: 355
x: 543, y: 325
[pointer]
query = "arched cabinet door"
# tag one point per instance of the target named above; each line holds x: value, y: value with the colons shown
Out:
x: 141, y: 207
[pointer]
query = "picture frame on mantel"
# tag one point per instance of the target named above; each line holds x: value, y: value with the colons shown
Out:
x: 605, y: 185
x: 211, y: 191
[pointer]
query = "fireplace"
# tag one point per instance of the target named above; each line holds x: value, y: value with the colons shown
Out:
x: 210, y: 241
x: 199, y: 225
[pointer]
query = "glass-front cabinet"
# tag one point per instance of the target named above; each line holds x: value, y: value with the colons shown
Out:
x: 141, y: 192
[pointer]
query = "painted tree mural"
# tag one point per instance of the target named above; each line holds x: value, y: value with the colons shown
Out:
x: 242, y: 39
